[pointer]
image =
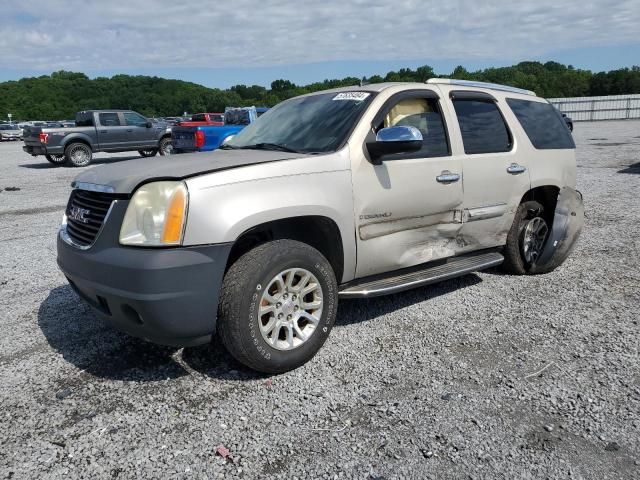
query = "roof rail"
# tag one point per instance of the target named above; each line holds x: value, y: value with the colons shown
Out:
x: 472, y: 83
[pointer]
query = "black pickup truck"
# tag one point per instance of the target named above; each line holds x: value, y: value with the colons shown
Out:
x: 98, y: 131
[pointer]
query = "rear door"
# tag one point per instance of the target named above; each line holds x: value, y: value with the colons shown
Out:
x: 138, y: 134
x: 495, y: 171
x: 405, y: 205
x: 112, y: 133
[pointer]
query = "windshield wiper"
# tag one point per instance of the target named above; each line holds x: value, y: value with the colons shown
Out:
x: 270, y: 146
x: 226, y: 146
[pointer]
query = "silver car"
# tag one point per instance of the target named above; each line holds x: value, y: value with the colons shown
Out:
x: 348, y: 193
x: 10, y: 132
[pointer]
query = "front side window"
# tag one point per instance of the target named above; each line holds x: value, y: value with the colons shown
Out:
x: 542, y: 123
x: 133, y: 119
x: 423, y: 114
x: 109, y: 120
x: 198, y: 118
x: 482, y: 126
x: 317, y: 123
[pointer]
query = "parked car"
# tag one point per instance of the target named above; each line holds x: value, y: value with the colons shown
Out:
x: 198, y: 119
x: 205, y: 138
x: 98, y: 131
x: 347, y: 193
x: 10, y: 132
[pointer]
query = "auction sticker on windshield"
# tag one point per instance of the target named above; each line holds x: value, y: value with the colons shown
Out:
x: 353, y: 96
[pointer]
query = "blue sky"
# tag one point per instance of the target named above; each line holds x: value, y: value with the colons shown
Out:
x: 219, y: 44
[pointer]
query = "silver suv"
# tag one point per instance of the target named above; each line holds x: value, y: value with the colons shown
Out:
x: 347, y: 193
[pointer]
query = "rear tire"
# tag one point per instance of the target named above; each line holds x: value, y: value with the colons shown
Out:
x: 148, y: 153
x: 165, y: 147
x: 277, y: 306
x: 56, y: 159
x: 526, y: 239
x: 78, y: 154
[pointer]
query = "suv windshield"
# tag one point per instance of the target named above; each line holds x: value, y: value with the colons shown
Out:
x: 316, y: 123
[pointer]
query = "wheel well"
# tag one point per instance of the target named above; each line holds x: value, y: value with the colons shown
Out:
x: 321, y: 233
x: 546, y: 195
x: 77, y: 140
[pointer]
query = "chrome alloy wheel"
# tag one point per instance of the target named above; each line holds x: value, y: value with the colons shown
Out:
x: 535, y: 233
x: 290, y: 309
x: 79, y: 155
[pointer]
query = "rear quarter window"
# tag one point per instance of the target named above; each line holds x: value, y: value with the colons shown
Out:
x: 543, y: 124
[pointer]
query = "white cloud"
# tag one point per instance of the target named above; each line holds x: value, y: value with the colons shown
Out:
x: 76, y: 34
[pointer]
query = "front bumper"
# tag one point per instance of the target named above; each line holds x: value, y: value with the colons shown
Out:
x: 167, y: 296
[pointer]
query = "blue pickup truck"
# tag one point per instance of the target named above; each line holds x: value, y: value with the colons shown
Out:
x: 205, y: 138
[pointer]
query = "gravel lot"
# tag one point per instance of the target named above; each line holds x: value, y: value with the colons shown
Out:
x: 432, y: 383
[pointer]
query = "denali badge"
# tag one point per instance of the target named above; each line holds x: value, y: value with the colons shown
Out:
x: 79, y: 214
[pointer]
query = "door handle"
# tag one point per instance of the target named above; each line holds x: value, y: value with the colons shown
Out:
x: 104, y: 131
x: 448, y: 177
x: 515, y: 169
x: 129, y: 130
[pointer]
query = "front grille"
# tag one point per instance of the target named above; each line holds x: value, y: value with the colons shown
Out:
x: 86, y: 212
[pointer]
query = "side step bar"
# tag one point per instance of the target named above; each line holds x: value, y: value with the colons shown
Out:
x: 401, y: 280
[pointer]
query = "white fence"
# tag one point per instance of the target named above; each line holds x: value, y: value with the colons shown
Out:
x: 612, y: 107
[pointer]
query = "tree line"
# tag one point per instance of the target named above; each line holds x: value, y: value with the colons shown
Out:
x: 61, y: 94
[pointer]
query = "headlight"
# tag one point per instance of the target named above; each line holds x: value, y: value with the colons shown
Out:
x: 156, y: 215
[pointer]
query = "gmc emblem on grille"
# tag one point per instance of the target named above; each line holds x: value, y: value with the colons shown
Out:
x: 79, y: 214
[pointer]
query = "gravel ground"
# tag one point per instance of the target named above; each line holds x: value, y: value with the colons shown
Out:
x: 432, y: 383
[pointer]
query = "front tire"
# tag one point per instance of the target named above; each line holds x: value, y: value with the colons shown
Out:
x: 526, y: 239
x: 277, y: 306
x: 78, y: 154
x: 56, y: 159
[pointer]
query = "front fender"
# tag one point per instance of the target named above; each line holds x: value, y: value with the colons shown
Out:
x: 567, y: 226
x: 221, y: 214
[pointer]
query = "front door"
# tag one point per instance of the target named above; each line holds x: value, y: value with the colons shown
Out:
x: 138, y: 134
x: 405, y: 206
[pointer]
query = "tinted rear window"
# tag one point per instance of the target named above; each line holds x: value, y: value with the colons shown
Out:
x: 482, y: 126
x: 543, y: 124
x: 84, y: 120
x: 109, y: 120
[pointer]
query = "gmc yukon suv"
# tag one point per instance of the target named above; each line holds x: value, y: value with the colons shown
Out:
x: 347, y: 193
x: 98, y: 131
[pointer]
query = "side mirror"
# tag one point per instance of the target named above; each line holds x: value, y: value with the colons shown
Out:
x: 398, y: 139
x: 148, y: 125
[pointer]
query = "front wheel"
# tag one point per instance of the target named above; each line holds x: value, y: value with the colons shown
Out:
x: 55, y: 159
x: 277, y: 306
x: 526, y: 239
x: 78, y: 154
x: 165, y: 147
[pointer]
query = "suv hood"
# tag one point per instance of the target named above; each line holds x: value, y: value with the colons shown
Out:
x: 124, y: 177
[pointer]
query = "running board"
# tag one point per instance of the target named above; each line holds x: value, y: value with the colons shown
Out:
x: 455, y: 267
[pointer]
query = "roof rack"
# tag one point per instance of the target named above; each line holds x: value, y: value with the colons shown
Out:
x: 472, y: 83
